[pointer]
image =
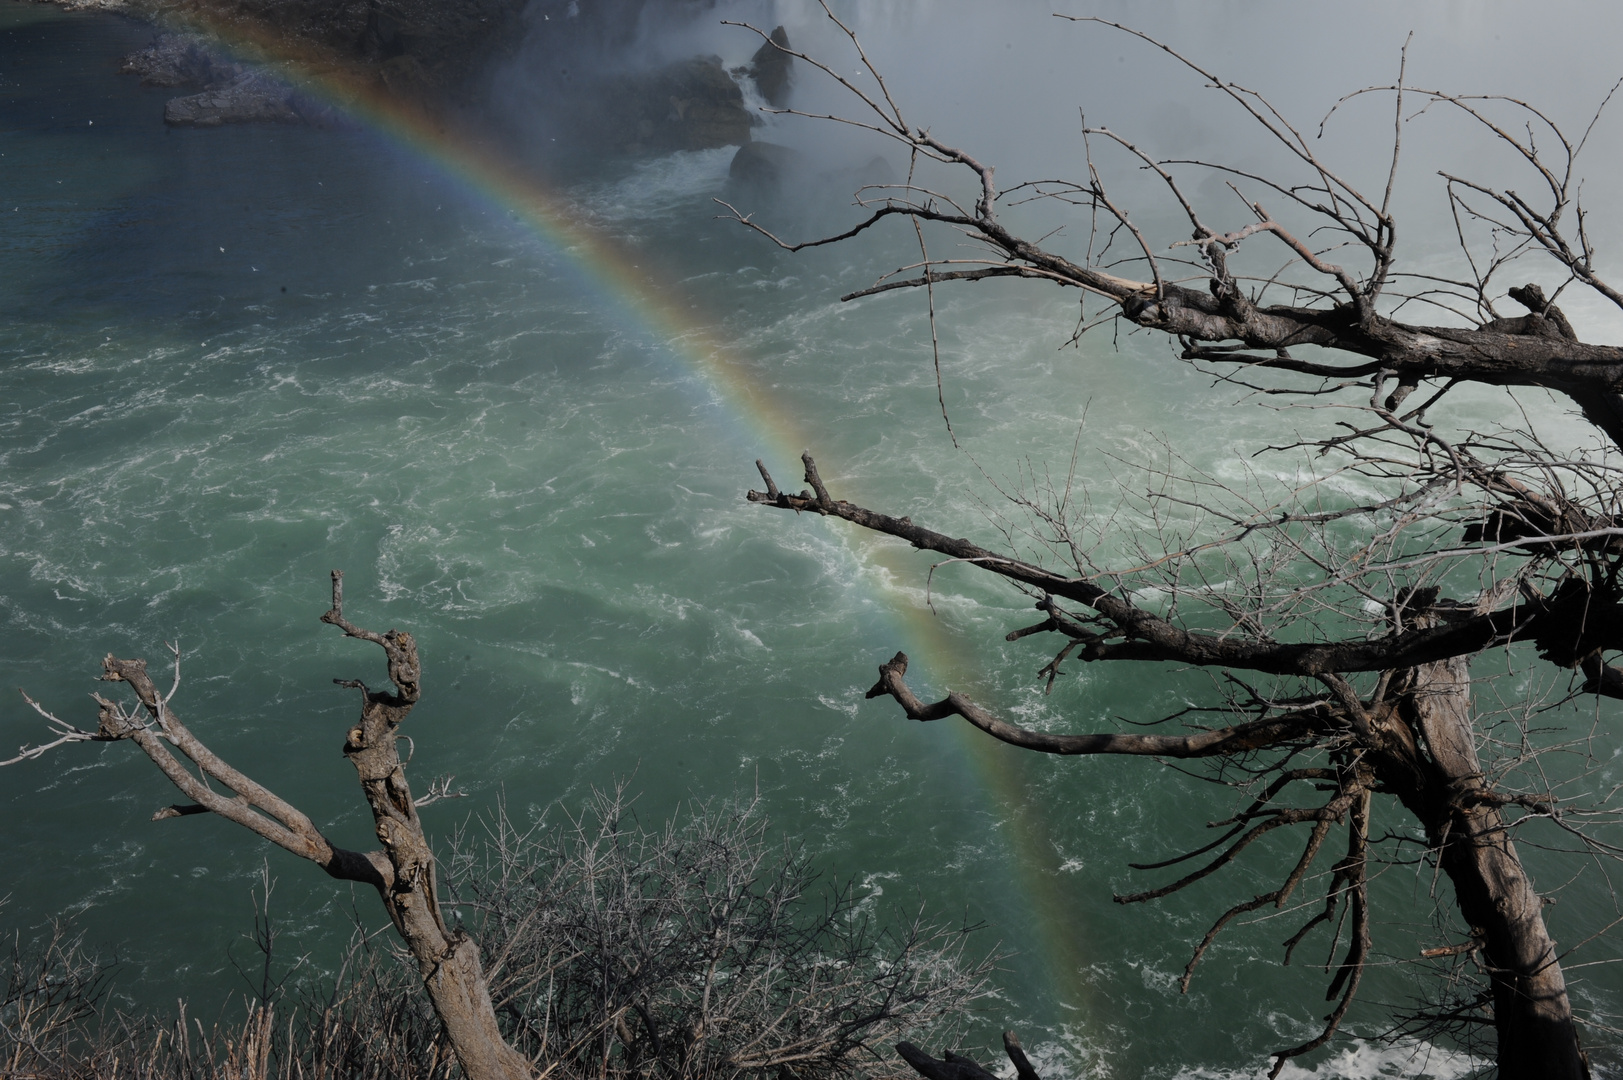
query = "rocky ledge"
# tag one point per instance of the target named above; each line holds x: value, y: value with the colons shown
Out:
x: 692, y: 104
x: 227, y: 92
x: 251, y: 99
x: 438, y: 53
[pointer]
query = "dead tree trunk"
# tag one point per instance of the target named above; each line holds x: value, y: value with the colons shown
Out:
x: 447, y: 960
x: 1537, y: 1038
x: 1414, y: 736
x: 402, y: 872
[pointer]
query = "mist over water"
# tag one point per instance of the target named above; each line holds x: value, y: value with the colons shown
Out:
x: 232, y: 360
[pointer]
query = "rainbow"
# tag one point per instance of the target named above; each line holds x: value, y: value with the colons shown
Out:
x: 641, y: 293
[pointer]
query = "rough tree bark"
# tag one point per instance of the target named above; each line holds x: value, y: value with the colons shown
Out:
x: 951, y: 1066
x: 447, y: 960
x: 1464, y: 823
x: 403, y: 871
x: 1359, y: 708
x: 1417, y: 740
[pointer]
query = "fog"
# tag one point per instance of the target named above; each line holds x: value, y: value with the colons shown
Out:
x: 1011, y: 84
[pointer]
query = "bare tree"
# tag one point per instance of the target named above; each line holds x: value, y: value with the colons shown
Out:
x: 692, y: 952
x: 403, y: 871
x: 1352, y: 630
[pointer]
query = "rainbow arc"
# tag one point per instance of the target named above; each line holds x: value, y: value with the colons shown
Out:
x: 611, y: 271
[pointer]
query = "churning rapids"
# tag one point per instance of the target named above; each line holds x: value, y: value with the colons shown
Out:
x: 233, y: 359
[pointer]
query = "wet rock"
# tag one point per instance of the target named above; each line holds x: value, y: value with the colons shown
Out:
x: 252, y: 98
x: 876, y: 173
x: 228, y: 92
x: 766, y: 168
x: 689, y: 105
x: 799, y: 188
x: 443, y: 54
x: 425, y: 48
x: 180, y: 60
x: 434, y: 51
x: 770, y: 68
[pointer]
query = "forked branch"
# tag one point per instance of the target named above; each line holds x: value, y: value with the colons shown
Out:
x: 1238, y: 739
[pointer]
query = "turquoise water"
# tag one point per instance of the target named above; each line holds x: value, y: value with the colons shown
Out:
x: 232, y: 360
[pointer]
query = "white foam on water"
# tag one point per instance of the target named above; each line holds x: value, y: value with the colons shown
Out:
x: 658, y: 187
x: 1410, y: 1060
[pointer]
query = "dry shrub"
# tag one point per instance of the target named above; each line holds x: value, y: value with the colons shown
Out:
x: 698, y: 951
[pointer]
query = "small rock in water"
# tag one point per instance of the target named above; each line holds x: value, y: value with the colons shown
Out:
x: 180, y: 60
x: 253, y: 98
x: 763, y: 167
x: 228, y: 92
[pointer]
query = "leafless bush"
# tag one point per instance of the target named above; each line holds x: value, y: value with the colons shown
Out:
x: 53, y: 985
x: 697, y: 950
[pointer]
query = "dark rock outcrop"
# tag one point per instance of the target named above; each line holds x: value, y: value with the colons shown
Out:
x: 228, y: 92
x: 689, y: 105
x: 180, y: 60
x: 445, y: 44
x: 770, y: 68
x: 793, y: 182
x: 252, y: 98
x: 439, y: 53
x: 766, y: 168
x: 433, y: 48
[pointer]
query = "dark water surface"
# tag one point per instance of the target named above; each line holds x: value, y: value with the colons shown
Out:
x: 231, y: 360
